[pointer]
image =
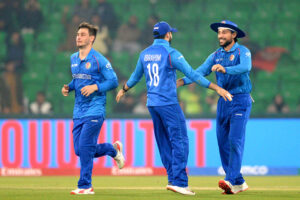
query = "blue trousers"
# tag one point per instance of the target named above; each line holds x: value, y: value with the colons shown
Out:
x: 232, y: 118
x: 85, y: 136
x: 172, y: 141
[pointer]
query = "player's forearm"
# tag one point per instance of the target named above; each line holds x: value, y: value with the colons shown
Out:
x: 107, y: 85
x: 196, y: 77
x: 71, y: 85
x: 213, y: 86
x: 238, y: 69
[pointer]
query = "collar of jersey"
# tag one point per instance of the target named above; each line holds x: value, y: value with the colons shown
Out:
x: 89, y: 56
x: 233, y: 48
x: 161, y: 42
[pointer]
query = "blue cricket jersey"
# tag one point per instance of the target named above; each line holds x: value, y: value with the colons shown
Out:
x: 158, y: 63
x: 94, y: 69
x: 237, y: 63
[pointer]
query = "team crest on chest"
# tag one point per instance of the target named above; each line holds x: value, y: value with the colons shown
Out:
x: 88, y: 65
x: 231, y: 57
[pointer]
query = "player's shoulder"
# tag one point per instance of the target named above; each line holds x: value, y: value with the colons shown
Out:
x: 173, y: 51
x: 146, y: 50
x: 99, y: 58
x: 97, y: 55
x: 243, y: 48
x: 74, y: 55
x: 217, y: 50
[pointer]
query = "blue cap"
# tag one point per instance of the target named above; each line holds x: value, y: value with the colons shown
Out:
x: 161, y: 28
x: 230, y: 25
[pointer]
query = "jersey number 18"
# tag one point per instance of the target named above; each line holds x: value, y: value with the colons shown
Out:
x: 154, y: 70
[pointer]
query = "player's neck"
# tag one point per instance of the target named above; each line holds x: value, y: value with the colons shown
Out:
x: 228, y: 47
x: 83, y: 52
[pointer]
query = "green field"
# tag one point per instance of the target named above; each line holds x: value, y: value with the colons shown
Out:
x: 144, y: 188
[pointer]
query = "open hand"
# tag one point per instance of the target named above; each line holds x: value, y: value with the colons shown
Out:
x: 225, y: 94
x: 120, y: 95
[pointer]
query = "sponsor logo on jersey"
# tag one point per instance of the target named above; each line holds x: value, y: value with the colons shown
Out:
x: 88, y: 65
x: 108, y: 66
x: 231, y: 57
x: 82, y: 76
x: 180, y: 57
x: 248, y: 54
x: 74, y: 65
x: 219, y: 59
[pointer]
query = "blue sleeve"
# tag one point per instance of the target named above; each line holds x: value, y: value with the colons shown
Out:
x: 178, y: 61
x: 245, y: 63
x: 204, y: 69
x: 111, y: 80
x: 136, y: 75
x: 71, y: 85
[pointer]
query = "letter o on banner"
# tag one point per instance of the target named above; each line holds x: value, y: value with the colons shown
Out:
x: 11, y: 126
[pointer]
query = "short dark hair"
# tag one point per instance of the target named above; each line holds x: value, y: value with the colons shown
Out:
x: 92, y: 29
x: 157, y: 36
x: 41, y: 93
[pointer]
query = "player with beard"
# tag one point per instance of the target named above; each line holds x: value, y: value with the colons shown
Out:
x: 158, y: 63
x: 232, y: 64
x: 93, y: 76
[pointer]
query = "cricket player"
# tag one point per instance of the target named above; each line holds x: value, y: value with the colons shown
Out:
x: 93, y: 76
x: 232, y: 64
x: 159, y: 63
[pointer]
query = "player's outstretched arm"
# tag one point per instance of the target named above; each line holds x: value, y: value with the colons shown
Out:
x: 65, y: 90
x: 223, y: 93
x: 134, y: 79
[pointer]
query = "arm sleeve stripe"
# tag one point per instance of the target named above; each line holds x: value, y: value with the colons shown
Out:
x: 170, y: 61
x: 97, y: 63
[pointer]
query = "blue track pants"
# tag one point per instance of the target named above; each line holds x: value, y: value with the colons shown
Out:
x: 172, y: 141
x: 85, y: 137
x: 232, y: 118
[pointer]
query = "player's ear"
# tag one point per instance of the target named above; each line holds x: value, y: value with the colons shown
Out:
x: 93, y: 38
x: 167, y: 35
x: 234, y: 34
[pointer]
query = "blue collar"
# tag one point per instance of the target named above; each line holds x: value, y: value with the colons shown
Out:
x: 89, y: 56
x: 233, y: 48
x: 161, y: 42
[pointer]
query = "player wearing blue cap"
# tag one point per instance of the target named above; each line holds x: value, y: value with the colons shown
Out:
x: 232, y: 64
x: 159, y: 63
x: 93, y: 76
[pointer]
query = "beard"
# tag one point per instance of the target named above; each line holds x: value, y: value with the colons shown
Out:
x: 228, y: 42
x: 170, y: 40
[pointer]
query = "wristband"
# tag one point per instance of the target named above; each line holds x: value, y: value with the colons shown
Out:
x: 124, y: 88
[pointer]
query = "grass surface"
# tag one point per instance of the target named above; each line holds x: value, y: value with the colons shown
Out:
x: 144, y: 188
